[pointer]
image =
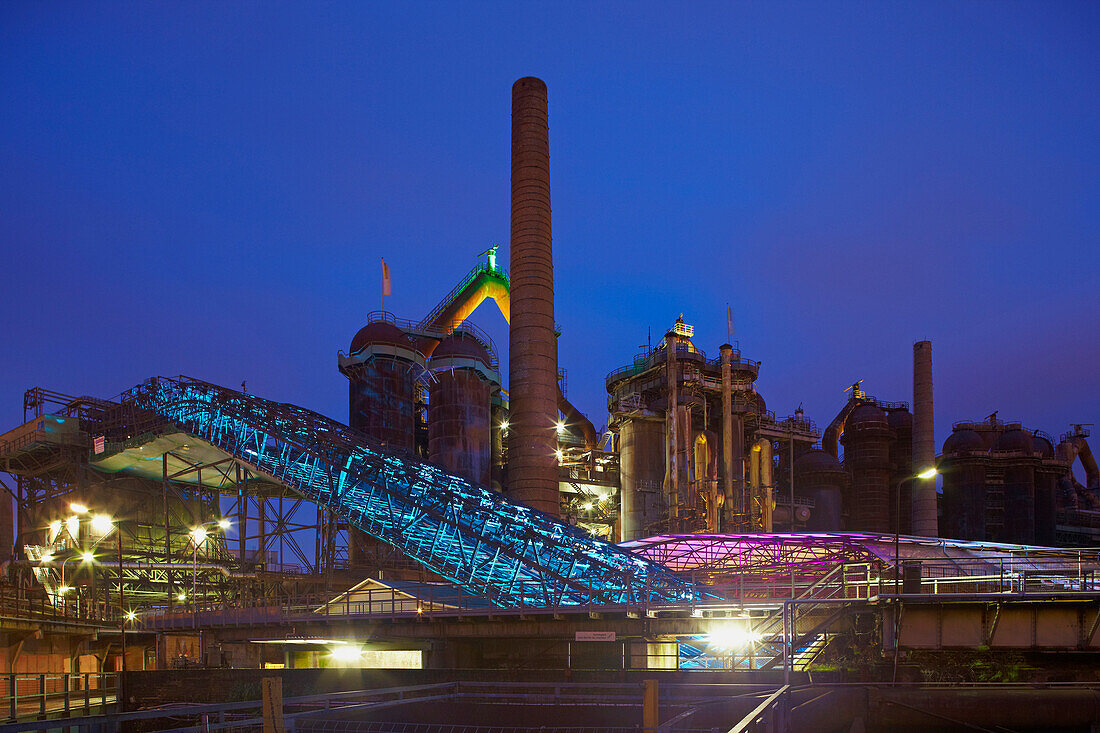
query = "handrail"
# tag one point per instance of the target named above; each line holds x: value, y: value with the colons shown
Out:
x: 482, y: 267
x: 755, y: 714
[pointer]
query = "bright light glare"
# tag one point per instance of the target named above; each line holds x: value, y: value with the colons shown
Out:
x: 224, y: 523
x: 181, y: 597
x: 588, y: 506
x: 55, y: 529
x: 349, y: 653
x: 504, y: 425
x: 62, y: 590
x: 198, y: 534
x: 561, y: 427
x: 559, y: 454
x: 78, y: 508
x: 87, y: 557
x: 928, y: 473
x: 733, y: 636
x: 48, y: 557
x: 72, y: 524
x: 130, y: 615
x: 102, y: 523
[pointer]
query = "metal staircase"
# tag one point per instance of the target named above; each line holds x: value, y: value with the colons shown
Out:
x: 508, y: 553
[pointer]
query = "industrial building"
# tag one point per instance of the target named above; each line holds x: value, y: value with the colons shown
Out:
x: 458, y: 517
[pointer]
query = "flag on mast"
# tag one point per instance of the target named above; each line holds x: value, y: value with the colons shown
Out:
x: 385, y: 279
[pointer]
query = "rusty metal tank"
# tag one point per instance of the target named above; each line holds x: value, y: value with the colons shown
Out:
x: 901, y: 462
x: 382, y: 367
x: 459, y: 407
x: 866, y: 442
x: 641, y: 472
x: 963, y: 466
x: 1014, y: 449
x: 819, y: 476
x: 1046, y: 490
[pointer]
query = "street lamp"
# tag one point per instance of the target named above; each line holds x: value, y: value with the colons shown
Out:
x: 924, y: 475
x: 198, y: 536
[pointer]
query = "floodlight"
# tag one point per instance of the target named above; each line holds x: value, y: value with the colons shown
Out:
x: 87, y: 557
x: 198, y: 535
x: 348, y: 653
x: 72, y: 524
x: 733, y: 636
x: 504, y: 425
x: 224, y: 523
x: 78, y: 508
x: 102, y: 523
x: 130, y: 615
x: 181, y: 597
x: 928, y: 473
x: 63, y: 589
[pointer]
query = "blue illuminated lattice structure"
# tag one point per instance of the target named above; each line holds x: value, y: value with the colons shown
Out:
x: 508, y: 553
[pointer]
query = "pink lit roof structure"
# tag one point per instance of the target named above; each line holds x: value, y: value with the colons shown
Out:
x: 815, y: 554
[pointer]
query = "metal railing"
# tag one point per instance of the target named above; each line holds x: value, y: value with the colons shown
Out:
x: 39, y: 696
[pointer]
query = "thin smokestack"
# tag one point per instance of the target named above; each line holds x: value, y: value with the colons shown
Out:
x: 924, y: 442
x: 533, y: 350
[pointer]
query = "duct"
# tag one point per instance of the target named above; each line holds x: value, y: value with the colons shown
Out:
x: 533, y: 357
x: 672, y: 476
x: 830, y: 439
x: 1088, y: 462
x: 727, y: 426
x: 145, y: 566
x: 706, y: 474
x: 923, y: 518
x: 574, y: 418
x: 760, y: 478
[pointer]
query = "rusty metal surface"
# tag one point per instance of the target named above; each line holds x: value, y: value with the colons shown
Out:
x: 533, y: 358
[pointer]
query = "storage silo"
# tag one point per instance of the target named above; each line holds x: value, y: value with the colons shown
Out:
x: 459, y: 418
x: 963, y: 466
x: 866, y: 442
x: 901, y: 464
x: 1014, y: 450
x: 819, y: 476
x: 1046, y: 490
x: 382, y: 367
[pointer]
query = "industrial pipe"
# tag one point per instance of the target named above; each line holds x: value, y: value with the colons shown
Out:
x: 1088, y: 462
x: 672, y: 475
x: 726, y: 351
x: 923, y: 519
x: 144, y: 566
x: 830, y: 439
x: 533, y: 354
x: 574, y: 418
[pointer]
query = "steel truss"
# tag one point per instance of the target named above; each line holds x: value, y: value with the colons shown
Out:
x: 757, y: 555
x: 508, y: 553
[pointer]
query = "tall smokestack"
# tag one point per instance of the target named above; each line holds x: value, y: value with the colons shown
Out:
x: 532, y: 345
x: 924, y: 442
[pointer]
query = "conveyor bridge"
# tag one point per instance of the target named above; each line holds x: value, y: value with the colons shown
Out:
x: 507, y: 553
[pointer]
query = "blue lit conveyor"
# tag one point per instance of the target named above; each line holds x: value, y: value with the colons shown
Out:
x: 505, y: 552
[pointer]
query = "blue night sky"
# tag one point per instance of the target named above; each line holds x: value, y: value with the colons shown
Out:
x: 208, y: 188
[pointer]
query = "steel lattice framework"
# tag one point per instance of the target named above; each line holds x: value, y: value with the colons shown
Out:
x: 508, y: 553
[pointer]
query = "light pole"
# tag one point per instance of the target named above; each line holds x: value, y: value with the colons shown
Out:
x: 198, y: 536
x: 926, y: 474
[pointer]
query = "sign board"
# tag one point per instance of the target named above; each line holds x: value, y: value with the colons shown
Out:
x: 100, y: 444
x: 595, y: 636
